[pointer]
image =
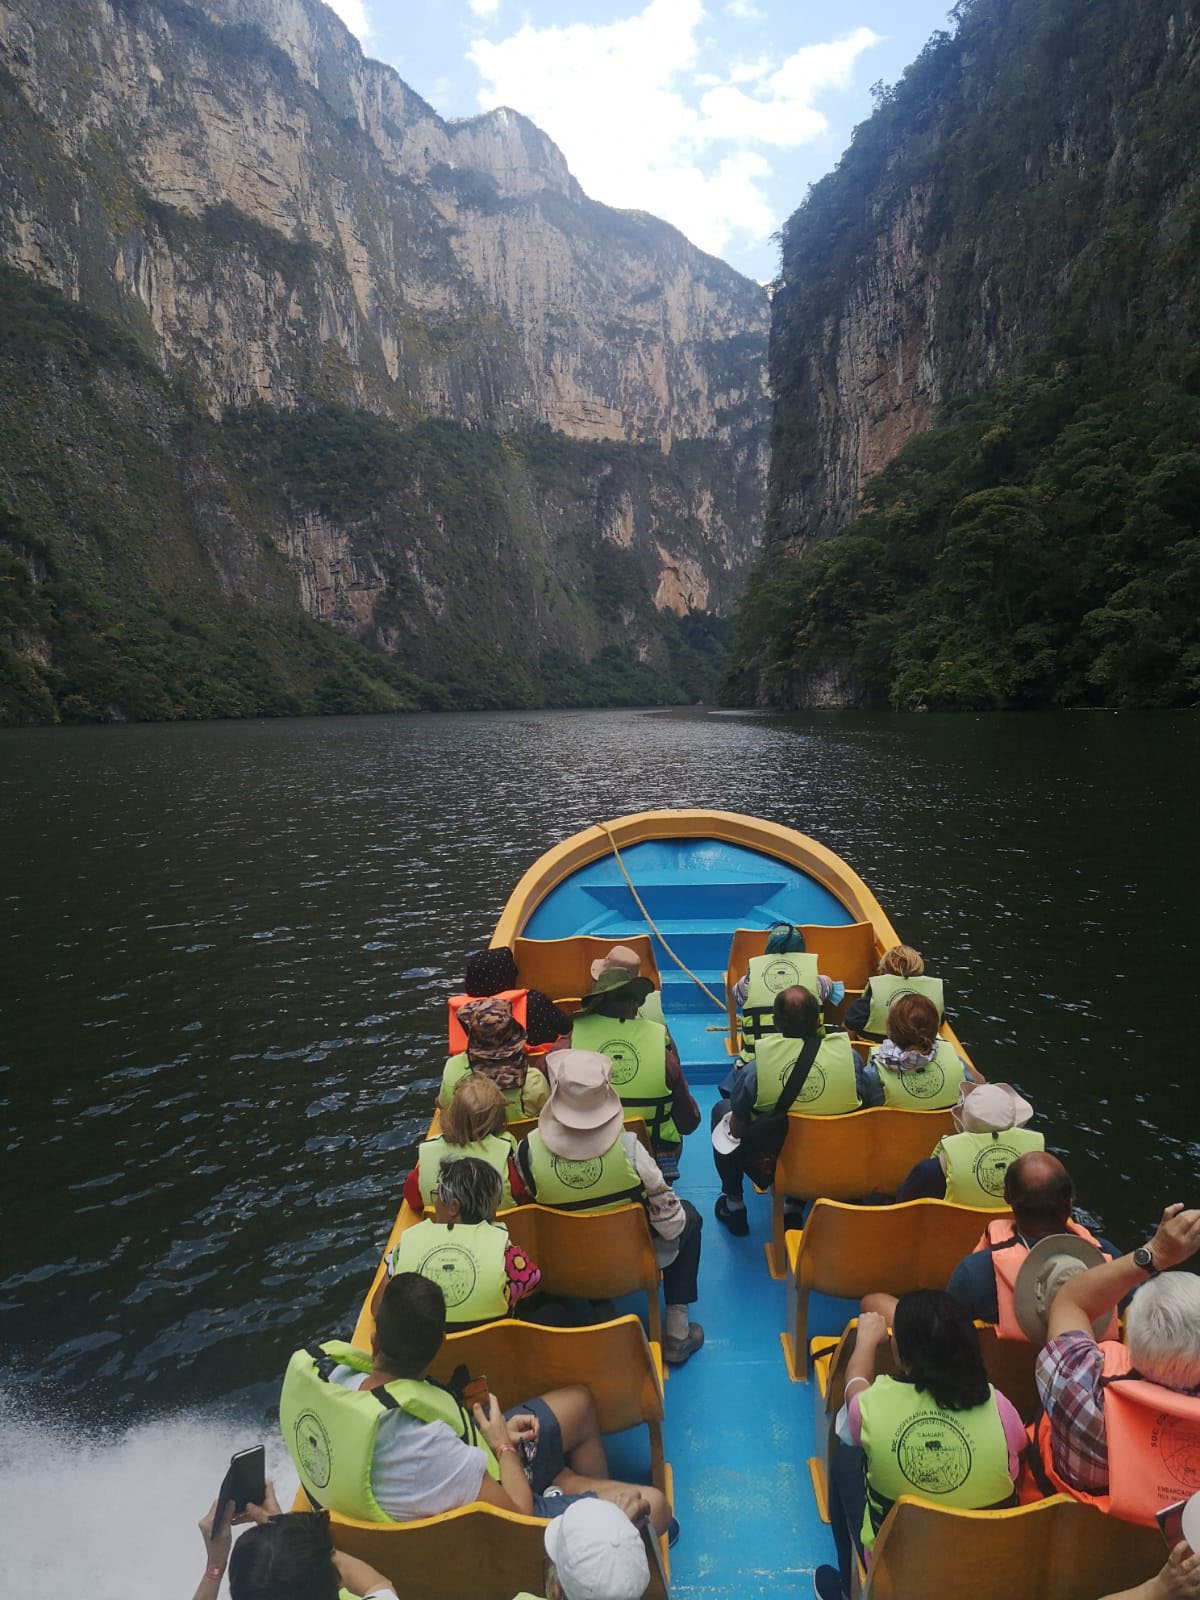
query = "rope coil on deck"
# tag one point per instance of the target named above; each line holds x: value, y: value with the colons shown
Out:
x: 654, y: 928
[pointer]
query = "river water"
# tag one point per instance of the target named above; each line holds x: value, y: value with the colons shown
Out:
x: 225, y: 953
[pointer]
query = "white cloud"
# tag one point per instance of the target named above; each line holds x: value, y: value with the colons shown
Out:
x: 646, y: 123
x: 484, y: 8
x: 354, y: 14
x: 744, y: 11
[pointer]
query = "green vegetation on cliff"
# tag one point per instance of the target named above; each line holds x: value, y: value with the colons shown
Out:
x: 1013, y: 232
x: 144, y: 572
x: 1039, y: 545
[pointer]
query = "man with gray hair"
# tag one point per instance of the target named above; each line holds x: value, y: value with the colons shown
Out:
x: 1122, y: 1421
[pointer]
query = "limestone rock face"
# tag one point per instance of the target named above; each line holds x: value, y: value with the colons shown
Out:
x: 954, y: 235
x: 280, y: 222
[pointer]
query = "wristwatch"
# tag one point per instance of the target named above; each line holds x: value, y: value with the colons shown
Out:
x: 1143, y: 1259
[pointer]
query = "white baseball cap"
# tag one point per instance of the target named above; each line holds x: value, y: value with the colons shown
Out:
x: 597, y: 1553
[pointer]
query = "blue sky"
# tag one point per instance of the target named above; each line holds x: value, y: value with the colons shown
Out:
x: 715, y: 114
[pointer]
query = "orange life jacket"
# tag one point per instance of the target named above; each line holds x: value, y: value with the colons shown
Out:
x: 1008, y: 1254
x: 458, y: 1034
x: 1153, y: 1436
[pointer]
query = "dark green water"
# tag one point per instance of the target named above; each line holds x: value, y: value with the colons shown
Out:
x: 226, y: 950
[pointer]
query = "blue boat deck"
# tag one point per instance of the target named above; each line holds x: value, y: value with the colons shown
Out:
x: 738, y: 1432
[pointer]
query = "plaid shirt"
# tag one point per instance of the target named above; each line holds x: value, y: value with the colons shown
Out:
x: 1068, y: 1374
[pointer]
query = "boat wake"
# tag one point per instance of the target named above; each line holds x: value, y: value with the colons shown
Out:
x: 112, y: 1513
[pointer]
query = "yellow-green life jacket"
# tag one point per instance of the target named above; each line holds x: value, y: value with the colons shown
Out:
x: 976, y: 1163
x: 912, y: 1446
x: 638, y: 1052
x: 465, y: 1260
x: 495, y: 1149
x: 829, y: 1089
x: 525, y: 1101
x: 931, y: 1088
x: 596, y: 1185
x: 330, y: 1430
x: 651, y: 1009
x: 769, y: 976
x: 886, y: 988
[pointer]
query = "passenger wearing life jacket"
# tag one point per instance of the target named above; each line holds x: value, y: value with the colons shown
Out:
x: 784, y: 964
x: 1121, y: 1423
x: 830, y: 1088
x: 629, y: 961
x: 579, y: 1158
x: 482, y: 1274
x: 901, y: 970
x: 492, y: 974
x: 283, y: 1557
x: 645, y: 1064
x: 936, y: 1430
x: 374, y: 1439
x: 496, y: 1050
x: 473, y: 1124
x: 595, y: 1552
x: 968, y: 1168
x: 1040, y: 1195
x: 913, y: 1068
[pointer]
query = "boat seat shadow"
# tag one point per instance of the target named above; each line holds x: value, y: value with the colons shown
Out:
x: 846, y: 1157
x: 848, y: 951
x: 616, y: 1361
x: 479, y: 1551
x: 598, y: 1256
x: 1009, y: 1364
x: 562, y: 968
x: 847, y: 1251
x: 1057, y: 1547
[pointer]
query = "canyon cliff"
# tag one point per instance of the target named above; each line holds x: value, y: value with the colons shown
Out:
x: 1023, y: 208
x: 289, y: 348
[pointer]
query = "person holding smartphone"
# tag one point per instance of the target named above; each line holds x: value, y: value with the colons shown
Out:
x: 281, y: 1558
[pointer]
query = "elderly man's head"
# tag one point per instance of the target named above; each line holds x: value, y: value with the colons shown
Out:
x: 1162, y: 1330
x: 796, y: 1013
x: 1039, y: 1190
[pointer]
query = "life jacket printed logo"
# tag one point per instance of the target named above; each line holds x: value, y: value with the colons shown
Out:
x: 813, y: 1086
x: 781, y: 975
x: 452, y: 1269
x: 624, y: 1058
x: 990, y: 1167
x: 934, y: 1454
x: 312, y: 1449
x: 925, y: 1082
x: 577, y: 1174
x: 901, y: 994
x: 1179, y: 1451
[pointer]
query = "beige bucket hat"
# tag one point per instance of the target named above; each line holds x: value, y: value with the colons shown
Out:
x: 1049, y: 1265
x: 583, y: 1115
x: 990, y: 1108
x: 619, y: 956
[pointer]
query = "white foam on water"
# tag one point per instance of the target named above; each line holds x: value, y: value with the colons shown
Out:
x: 111, y: 1515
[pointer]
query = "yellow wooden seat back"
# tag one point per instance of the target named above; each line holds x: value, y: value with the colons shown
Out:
x: 562, y: 968
x: 844, y: 1158
x: 523, y: 1359
x: 847, y: 951
x: 598, y: 1257
x: 848, y: 1251
x: 479, y: 1551
x: 1057, y: 1548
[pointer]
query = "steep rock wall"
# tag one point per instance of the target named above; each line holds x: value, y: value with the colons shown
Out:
x: 1021, y: 182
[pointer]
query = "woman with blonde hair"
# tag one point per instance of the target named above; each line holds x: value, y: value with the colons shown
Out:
x: 901, y: 971
x: 473, y: 1124
x: 913, y: 1067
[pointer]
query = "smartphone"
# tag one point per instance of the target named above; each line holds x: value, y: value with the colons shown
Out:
x: 475, y: 1392
x: 1170, y: 1520
x: 246, y: 1481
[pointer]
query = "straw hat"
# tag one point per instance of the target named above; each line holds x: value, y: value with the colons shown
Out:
x: 619, y: 956
x: 1049, y: 1265
x: 990, y: 1108
x: 583, y: 1116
